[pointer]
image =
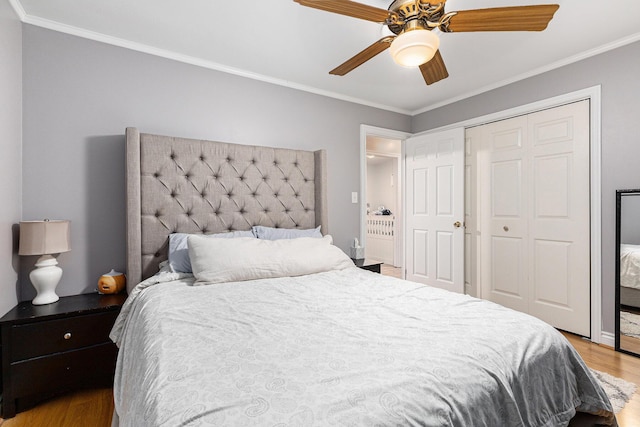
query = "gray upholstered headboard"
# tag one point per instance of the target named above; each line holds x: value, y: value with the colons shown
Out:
x: 193, y: 186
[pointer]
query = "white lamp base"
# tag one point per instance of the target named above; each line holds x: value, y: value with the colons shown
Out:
x: 45, y: 278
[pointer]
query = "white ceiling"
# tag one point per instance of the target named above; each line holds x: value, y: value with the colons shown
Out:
x: 282, y: 42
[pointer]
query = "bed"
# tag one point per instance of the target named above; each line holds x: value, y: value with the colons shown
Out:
x: 630, y: 275
x: 339, y: 346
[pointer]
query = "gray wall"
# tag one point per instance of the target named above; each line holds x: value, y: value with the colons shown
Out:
x: 79, y: 95
x: 617, y: 72
x: 11, y: 147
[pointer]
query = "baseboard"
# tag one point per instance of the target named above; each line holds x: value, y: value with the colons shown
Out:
x: 608, y: 339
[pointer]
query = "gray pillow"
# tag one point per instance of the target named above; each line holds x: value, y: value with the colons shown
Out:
x: 270, y: 233
x: 179, y: 250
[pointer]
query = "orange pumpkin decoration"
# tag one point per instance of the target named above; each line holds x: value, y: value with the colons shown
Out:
x: 111, y: 283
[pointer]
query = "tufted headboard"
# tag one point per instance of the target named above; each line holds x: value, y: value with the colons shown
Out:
x: 194, y: 186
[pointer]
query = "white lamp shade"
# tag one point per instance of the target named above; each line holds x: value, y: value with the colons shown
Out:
x: 414, y: 48
x: 44, y: 237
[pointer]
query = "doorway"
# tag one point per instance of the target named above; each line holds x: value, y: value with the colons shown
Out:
x: 381, y: 194
x: 383, y: 200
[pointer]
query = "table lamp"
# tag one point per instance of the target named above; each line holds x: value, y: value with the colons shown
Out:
x: 45, y: 238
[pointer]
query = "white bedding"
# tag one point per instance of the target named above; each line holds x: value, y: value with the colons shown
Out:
x: 630, y: 266
x: 345, y: 347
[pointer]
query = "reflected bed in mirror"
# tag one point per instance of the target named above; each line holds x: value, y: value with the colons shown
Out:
x: 628, y: 271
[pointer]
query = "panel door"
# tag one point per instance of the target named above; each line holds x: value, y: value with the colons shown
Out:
x: 434, y: 213
x: 559, y: 225
x: 505, y: 249
x: 534, y: 215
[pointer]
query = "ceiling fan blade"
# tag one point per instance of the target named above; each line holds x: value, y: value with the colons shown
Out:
x: 362, y: 57
x: 515, y: 18
x: 349, y: 8
x: 434, y: 70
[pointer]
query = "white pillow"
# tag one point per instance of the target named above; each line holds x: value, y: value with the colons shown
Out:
x: 270, y: 233
x: 179, y: 255
x: 232, y: 260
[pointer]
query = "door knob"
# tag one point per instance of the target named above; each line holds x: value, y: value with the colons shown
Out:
x: 457, y: 224
x: 505, y: 228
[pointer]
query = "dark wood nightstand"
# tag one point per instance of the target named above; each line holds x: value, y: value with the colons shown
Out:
x: 54, y: 348
x: 367, y: 264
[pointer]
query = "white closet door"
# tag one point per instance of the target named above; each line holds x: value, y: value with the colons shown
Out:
x: 434, y: 209
x: 559, y: 229
x: 534, y: 221
x: 505, y: 249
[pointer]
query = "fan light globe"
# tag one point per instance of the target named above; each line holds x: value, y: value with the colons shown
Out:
x: 414, y: 48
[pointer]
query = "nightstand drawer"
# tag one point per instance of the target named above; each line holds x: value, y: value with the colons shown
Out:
x: 54, y: 336
x: 62, y: 370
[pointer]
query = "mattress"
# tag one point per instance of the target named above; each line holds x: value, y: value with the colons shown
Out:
x: 630, y: 266
x: 345, y: 347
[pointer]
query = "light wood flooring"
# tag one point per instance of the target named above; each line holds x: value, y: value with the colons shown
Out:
x: 94, y: 407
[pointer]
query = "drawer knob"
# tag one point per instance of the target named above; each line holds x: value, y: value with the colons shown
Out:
x: 67, y: 336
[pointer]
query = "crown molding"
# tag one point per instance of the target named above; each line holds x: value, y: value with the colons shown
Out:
x: 175, y: 56
x: 18, y: 9
x: 567, y: 61
x: 151, y: 50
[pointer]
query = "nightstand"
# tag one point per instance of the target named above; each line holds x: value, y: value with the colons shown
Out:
x: 50, y: 349
x: 367, y: 264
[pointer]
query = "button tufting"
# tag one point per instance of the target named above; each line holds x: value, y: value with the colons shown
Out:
x: 157, y: 254
x: 228, y: 159
x: 155, y: 175
x: 254, y: 194
x: 203, y: 194
x: 157, y: 214
x: 172, y: 156
x: 285, y: 179
x: 253, y: 161
x: 173, y: 194
x: 202, y: 157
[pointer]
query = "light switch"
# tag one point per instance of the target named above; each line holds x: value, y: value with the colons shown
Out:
x: 354, y: 197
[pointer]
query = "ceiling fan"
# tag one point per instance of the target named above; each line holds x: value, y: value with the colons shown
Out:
x: 413, y: 42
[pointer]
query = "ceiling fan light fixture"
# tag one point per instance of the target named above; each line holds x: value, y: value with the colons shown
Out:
x: 414, y: 48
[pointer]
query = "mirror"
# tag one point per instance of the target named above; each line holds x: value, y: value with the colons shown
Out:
x: 628, y: 271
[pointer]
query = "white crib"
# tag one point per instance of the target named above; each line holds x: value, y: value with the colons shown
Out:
x: 381, y: 232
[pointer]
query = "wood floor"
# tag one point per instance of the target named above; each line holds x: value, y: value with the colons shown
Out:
x: 94, y: 407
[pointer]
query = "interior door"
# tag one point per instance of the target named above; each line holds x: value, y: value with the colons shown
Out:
x: 535, y: 224
x: 504, y: 211
x: 434, y: 213
x: 559, y: 243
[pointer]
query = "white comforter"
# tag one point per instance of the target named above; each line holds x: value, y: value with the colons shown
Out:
x: 630, y: 266
x: 346, y: 347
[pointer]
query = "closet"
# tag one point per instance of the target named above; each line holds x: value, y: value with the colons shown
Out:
x: 527, y: 214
